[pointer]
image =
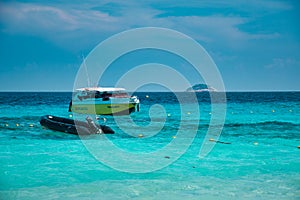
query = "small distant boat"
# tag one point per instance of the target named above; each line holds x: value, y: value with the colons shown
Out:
x: 103, y: 101
x: 74, y: 126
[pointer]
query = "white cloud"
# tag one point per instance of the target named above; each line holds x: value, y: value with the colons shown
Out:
x: 63, y: 26
x: 21, y: 17
x: 81, y: 25
x: 281, y: 63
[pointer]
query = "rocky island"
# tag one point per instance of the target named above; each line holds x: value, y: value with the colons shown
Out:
x: 201, y: 88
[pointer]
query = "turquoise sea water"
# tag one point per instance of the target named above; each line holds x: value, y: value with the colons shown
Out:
x: 259, y: 158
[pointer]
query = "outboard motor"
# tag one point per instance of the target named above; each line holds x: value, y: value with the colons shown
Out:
x: 92, y: 126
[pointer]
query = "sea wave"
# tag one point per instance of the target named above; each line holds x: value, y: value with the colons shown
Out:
x: 263, y: 123
x: 21, y: 118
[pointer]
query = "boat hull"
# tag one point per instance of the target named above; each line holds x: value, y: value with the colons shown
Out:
x: 104, y: 109
x: 71, y: 126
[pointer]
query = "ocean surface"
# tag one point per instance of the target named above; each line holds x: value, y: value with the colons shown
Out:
x: 257, y: 155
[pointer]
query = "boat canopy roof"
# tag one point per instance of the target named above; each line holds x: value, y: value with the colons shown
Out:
x: 101, y: 89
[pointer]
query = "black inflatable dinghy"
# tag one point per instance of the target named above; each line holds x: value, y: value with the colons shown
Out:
x: 68, y: 125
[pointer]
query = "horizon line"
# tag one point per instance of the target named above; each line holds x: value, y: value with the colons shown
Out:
x: 152, y: 91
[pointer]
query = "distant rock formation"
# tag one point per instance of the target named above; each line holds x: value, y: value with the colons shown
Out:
x: 201, y: 88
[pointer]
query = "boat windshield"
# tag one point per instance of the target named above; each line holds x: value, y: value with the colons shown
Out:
x: 120, y: 95
x: 97, y: 94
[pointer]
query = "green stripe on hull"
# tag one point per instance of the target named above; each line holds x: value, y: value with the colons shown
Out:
x: 103, y: 109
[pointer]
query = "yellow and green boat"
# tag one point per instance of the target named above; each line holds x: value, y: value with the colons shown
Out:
x: 103, y: 101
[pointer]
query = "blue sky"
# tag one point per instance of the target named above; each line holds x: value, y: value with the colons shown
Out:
x: 255, y: 44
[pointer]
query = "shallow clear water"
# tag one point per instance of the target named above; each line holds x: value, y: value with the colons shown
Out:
x: 259, y: 158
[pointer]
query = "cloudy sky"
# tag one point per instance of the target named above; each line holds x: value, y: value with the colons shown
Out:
x: 255, y: 44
